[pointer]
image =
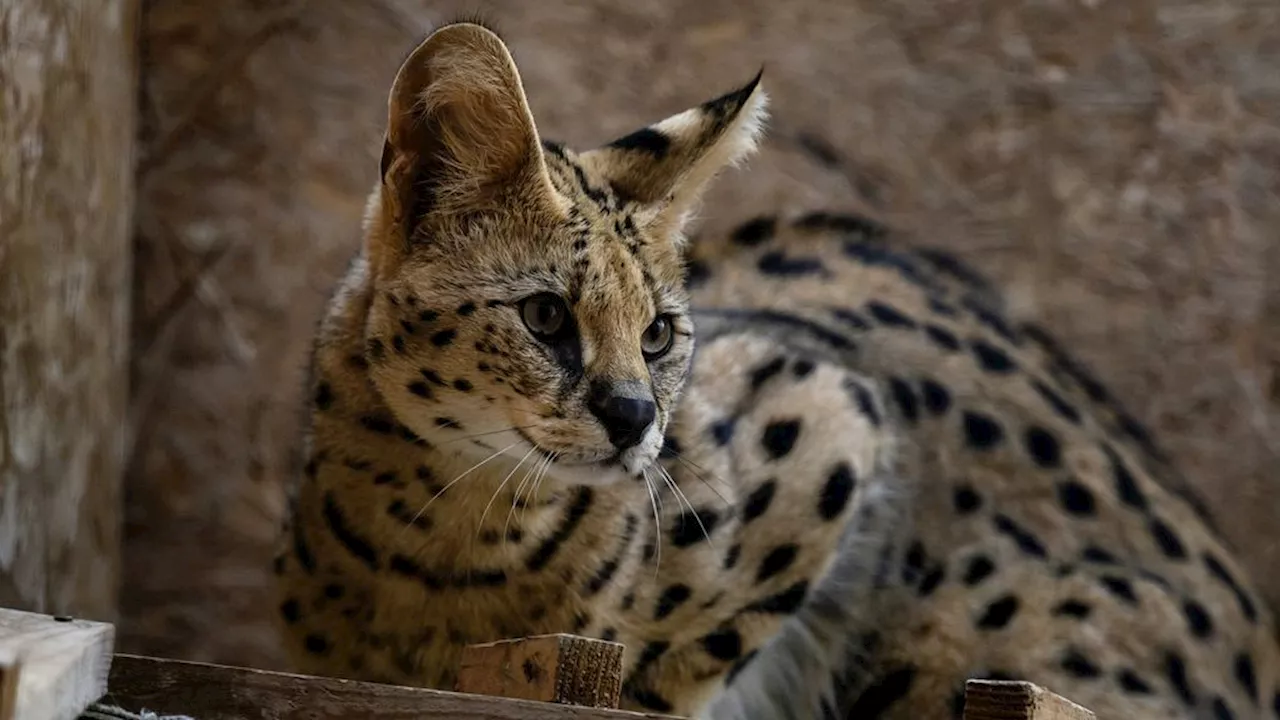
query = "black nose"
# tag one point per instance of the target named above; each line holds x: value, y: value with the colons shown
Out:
x: 624, y: 418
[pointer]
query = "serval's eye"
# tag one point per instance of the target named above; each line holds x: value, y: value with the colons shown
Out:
x: 657, y: 338
x: 546, y: 316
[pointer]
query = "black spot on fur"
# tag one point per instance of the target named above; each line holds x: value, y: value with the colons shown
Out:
x: 323, y: 396
x: 877, y: 698
x: 866, y: 403
x: 777, y: 263
x: 1168, y: 541
x: 1076, y: 664
x: 776, y: 317
x: 851, y: 318
x: 463, y: 385
x: 291, y: 611
x: 1073, y: 609
x: 397, y: 343
x: 689, y: 527
x: 1131, y: 683
x: 936, y: 398
x: 724, y: 644
x: 1076, y: 498
x: 1043, y: 447
x: 980, y: 568
x: 766, y: 372
x: 444, y: 338
x: 1198, y: 620
x: 385, y: 477
x: 1175, y: 668
x: 375, y: 349
x: 645, y: 140
x: 1120, y: 587
x: 466, y: 308
x: 342, y: 532
x: 999, y: 613
x: 779, y: 437
x: 1219, y: 571
x: 301, y: 550
x: 572, y: 518
x: 942, y: 337
x: 930, y: 581
x: 981, y: 432
x: 432, y: 377
x: 420, y: 389
x: 377, y: 424
x: 802, y: 368
x: 1246, y: 675
x: 316, y: 644
x: 1056, y: 402
x: 966, y: 500
x: 754, y: 232
x: 1026, y: 542
x: 758, y: 501
x: 890, y: 316
x: 837, y: 491
x: 905, y: 398
x: 1126, y: 485
x: 722, y: 431
x: 672, y: 597
x: 1097, y: 555
x: 784, y: 603
x: 731, y: 557
x: 777, y: 561
x: 991, y: 358
x: 1222, y: 711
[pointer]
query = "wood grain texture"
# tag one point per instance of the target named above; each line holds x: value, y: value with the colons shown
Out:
x: 992, y: 700
x: 561, y: 668
x: 68, y: 95
x: 216, y: 692
x: 51, y: 668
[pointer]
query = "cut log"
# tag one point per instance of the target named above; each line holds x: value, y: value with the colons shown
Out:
x: 51, y: 668
x: 1002, y: 700
x: 566, y: 669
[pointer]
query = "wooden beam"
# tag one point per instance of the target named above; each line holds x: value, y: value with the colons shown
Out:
x: 217, y: 692
x: 567, y: 669
x: 1001, y: 700
x: 68, y: 69
x: 51, y: 668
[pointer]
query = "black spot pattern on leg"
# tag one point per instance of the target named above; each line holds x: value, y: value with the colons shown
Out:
x: 1076, y: 498
x: 766, y: 372
x: 889, y: 316
x: 754, y: 232
x: 444, y: 338
x: 1098, y: 556
x: 1222, y: 711
x: 291, y: 611
x: 936, y: 398
x: 1175, y: 669
x: 1126, y: 485
x: 905, y: 398
x: 672, y: 597
x: 779, y: 438
x: 1026, y: 542
x: 724, y: 644
x: 731, y: 557
x: 1131, y: 683
x: 722, y: 431
x: 866, y: 403
x: 759, y: 500
x: 1056, y: 402
x: 1219, y: 572
x: 1198, y: 620
x: 693, y: 526
x: 1043, y: 447
x: 777, y: 263
x: 966, y: 500
x: 837, y: 491
x: 876, y: 699
x: 784, y: 603
x: 999, y: 613
x: 324, y: 396
x: 1246, y: 675
x: 942, y: 337
x: 981, y: 431
x: 1077, y: 665
x: 802, y: 368
x: 1120, y: 587
x: 1167, y: 540
x: 419, y: 388
x: 1073, y: 609
x: 991, y: 358
x: 777, y: 561
x: 980, y: 568
x: 316, y: 644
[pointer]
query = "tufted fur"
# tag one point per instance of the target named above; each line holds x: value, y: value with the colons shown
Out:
x: 866, y: 486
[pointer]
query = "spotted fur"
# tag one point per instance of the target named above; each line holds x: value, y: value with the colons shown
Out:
x: 867, y: 485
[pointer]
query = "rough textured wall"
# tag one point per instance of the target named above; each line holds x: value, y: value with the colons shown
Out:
x: 67, y: 104
x: 1114, y: 163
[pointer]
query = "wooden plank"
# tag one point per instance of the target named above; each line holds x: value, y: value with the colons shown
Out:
x: 51, y: 668
x: 1002, y: 700
x: 217, y: 692
x: 561, y: 668
x: 68, y: 103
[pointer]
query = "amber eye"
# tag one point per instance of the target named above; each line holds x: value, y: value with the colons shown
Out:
x: 545, y: 315
x: 657, y: 338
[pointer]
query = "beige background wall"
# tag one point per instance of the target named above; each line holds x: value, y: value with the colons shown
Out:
x: 1115, y: 163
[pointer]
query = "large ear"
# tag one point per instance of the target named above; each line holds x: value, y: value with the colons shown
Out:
x: 460, y: 136
x: 668, y: 165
